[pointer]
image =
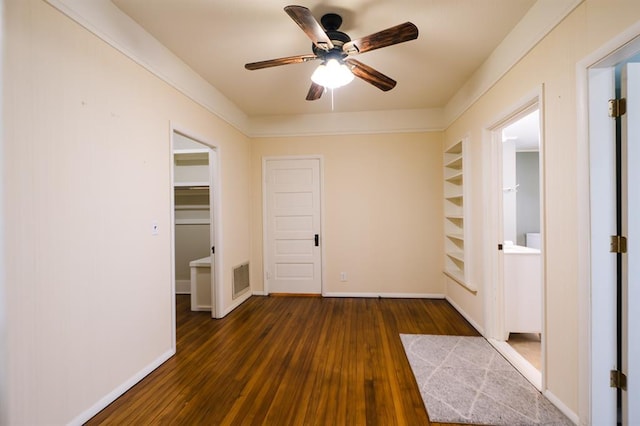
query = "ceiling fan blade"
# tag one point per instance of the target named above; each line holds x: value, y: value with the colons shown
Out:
x: 370, y: 75
x: 315, y: 92
x: 305, y: 20
x: 390, y: 36
x: 281, y: 61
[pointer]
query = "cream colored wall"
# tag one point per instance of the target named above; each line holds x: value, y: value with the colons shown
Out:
x: 383, y: 210
x: 86, y: 171
x: 552, y: 64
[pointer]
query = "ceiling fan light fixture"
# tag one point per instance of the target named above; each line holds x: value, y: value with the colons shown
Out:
x: 332, y: 74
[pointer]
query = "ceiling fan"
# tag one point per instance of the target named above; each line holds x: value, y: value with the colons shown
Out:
x: 335, y: 49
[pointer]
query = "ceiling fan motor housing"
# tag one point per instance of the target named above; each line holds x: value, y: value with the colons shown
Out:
x: 331, y: 22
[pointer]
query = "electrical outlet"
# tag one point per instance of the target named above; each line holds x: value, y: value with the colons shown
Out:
x: 343, y: 276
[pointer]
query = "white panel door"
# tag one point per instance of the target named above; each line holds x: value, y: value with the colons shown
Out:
x: 602, y: 166
x: 293, y: 255
x: 631, y: 229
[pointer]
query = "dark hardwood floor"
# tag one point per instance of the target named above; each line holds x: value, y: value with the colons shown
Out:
x: 290, y: 361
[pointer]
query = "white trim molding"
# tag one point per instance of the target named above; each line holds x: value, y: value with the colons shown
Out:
x: 108, y: 22
x: 121, y: 389
x: 614, y: 51
x: 342, y: 123
x: 386, y: 295
x: 466, y: 316
x: 519, y: 362
x: 237, y: 302
x: 561, y: 406
x: 543, y: 17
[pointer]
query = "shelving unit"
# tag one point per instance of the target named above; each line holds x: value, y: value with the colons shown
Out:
x: 191, y: 186
x: 455, y: 226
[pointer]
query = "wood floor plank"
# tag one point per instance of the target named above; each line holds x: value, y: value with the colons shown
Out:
x: 289, y: 361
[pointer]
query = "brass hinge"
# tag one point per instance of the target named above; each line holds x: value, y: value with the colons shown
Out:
x: 618, y: 244
x: 617, y: 380
x: 617, y: 107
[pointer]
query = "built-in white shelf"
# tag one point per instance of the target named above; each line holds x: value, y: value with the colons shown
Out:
x: 191, y: 186
x: 456, y: 255
x: 457, y: 277
x: 192, y: 207
x: 455, y: 164
x: 455, y: 198
x: 197, y: 221
x: 455, y: 226
x: 190, y: 151
x: 194, y: 184
x: 455, y: 178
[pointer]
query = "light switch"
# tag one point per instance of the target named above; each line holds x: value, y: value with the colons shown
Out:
x: 154, y: 228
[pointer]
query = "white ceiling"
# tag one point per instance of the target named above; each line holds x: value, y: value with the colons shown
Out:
x: 216, y: 38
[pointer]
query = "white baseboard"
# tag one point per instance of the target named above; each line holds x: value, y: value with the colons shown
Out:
x: 117, y: 392
x: 386, y: 295
x: 471, y: 321
x: 201, y: 308
x: 560, y: 406
x: 183, y: 286
x: 259, y: 293
x: 522, y: 365
x: 241, y: 299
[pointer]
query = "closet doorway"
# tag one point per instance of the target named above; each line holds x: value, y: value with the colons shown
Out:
x: 516, y: 239
x: 194, y: 202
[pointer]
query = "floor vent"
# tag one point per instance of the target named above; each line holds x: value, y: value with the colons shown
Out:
x: 240, y: 279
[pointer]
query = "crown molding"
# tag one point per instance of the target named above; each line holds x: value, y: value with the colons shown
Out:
x: 108, y: 22
x: 543, y: 17
x: 391, y: 121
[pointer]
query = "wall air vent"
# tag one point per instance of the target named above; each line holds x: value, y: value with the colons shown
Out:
x: 240, y: 279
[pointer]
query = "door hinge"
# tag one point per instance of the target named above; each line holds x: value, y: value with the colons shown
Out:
x: 213, y: 249
x: 617, y: 107
x: 618, y: 380
x: 618, y: 244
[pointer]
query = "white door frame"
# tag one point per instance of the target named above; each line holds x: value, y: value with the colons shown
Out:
x: 594, y: 404
x: 265, y: 219
x: 215, y: 227
x: 493, y: 258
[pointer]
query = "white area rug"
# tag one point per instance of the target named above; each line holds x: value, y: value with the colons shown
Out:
x: 465, y: 380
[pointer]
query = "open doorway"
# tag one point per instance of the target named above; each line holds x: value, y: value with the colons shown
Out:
x: 516, y: 238
x: 521, y: 236
x: 194, y: 229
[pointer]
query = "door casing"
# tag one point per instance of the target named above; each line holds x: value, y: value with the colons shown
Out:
x: 217, y: 307
x: 596, y: 320
x: 493, y: 258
